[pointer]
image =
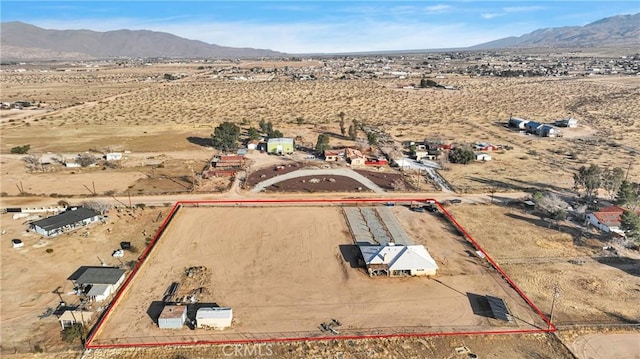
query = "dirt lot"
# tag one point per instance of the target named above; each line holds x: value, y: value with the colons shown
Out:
x: 537, y: 258
x: 31, y: 274
x: 179, y: 115
x: 268, y: 272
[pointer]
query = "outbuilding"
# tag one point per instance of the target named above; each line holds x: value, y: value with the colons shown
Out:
x: 280, y: 146
x: 547, y: 131
x: 481, y: 156
x: 214, y: 317
x: 567, y: 122
x: 113, y: 156
x: 71, y: 317
x: 172, y: 317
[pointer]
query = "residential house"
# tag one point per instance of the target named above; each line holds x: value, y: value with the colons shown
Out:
x: 567, y: 122
x: 355, y: 157
x: 97, y: 283
x: 518, y: 123
x: 393, y: 260
x: 607, y: 219
x: 68, y: 220
x: 333, y: 155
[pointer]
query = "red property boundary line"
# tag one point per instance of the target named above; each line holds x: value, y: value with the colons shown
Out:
x: 145, y: 254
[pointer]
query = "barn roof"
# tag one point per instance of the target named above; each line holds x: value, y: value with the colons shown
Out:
x: 399, y: 257
x: 65, y: 218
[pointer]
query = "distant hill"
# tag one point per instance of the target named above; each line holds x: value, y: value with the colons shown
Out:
x: 610, y: 31
x: 22, y: 41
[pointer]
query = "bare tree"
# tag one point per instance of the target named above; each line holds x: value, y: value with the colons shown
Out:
x: 86, y: 159
x: 33, y: 162
x: 98, y: 206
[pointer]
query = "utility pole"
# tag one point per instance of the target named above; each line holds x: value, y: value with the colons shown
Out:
x: 556, y: 294
x: 626, y: 177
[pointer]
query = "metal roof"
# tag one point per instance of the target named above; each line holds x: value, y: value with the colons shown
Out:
x: 214, y: 313
x: 97, y: 275
x: 173, y: 311
x: 98, y: 289
x: 281, y: 140
x: 399, y: 257
x: 65, y: 218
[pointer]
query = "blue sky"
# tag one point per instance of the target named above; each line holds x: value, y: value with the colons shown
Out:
x: 312, y: 26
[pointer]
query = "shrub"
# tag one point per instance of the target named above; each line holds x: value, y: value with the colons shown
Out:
x: 72, y: 333
x: 49, y: 250
x: 21, y: 150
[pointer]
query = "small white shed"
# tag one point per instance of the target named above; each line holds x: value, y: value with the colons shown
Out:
x: 113, y: 156
x: 71, y: 317
x: 481, y: 156
x: 214, y: 317
x: 172, y: 317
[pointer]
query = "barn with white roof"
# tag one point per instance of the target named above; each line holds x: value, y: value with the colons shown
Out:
x: 393, y: 260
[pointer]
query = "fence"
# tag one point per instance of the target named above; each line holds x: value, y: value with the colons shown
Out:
x: 93, y: 342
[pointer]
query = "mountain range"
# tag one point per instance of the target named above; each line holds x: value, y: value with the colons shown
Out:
x: 21, y: 41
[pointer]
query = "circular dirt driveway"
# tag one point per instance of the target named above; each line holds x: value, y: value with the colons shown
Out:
x: 597, y: 346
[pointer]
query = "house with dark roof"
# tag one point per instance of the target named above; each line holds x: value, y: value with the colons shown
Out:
x: 97, y: 283
x: 607, y: 219
x: 68, y: 220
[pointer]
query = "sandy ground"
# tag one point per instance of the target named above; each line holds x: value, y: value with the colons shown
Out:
x: 30, y: 275
x: 619, y: 346
x: 284, y: 283
x: 537, y: 257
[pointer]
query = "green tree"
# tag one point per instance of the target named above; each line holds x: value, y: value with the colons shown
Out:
x: 225, y: 137
x: 372, y: 139
x: 589, y: 179
x: 20, y: 150
x: 412, y: 150
x: 275, y: 134
x: 630, y: 224
x: 253, y: 133
x: 353, y: 132
x: 612, y: 180
x: 428, y: 83
x: 461, y: 155
x: 263, y: 126
x: 343, y: 130
x: 322, y: 144
x: 73, y: 333
x: 628, y: 195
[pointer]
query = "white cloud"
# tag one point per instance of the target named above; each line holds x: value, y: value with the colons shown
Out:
x: 326, y: 37
x: 512, y: 9
x: 491, y: 15
x: 438, y: 9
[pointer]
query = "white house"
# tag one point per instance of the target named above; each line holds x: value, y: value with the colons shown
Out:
x: 97, y: 283
x: 396, y: 261
x: 68, y: 220
x: 606, y: 219
x: 214, y: 317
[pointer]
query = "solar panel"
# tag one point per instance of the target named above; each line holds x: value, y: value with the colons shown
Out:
x: 499, y: 308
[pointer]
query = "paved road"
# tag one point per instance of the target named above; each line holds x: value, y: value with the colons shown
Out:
x: 346, y: 172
